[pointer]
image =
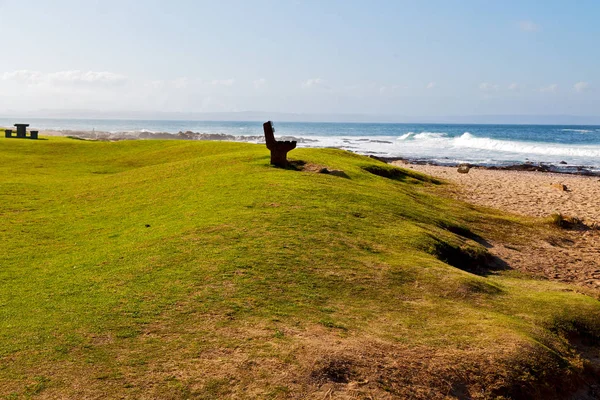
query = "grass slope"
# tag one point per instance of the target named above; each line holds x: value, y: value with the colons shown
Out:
x: 175, y: 269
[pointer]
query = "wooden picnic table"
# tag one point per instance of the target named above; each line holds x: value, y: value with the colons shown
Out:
x: 21, y: 132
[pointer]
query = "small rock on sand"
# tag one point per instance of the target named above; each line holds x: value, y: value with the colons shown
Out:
x: 559, y: 186
x: 464, y: 168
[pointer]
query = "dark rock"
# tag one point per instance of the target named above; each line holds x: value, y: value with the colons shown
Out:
x: 464, y: 168
x: 524, y: 167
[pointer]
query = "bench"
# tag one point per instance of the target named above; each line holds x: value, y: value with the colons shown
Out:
x: 278, y: 148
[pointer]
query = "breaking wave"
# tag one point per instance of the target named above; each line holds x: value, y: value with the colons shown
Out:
x: 422, y: 135
x: 467, y: 140
x: 470, y: 141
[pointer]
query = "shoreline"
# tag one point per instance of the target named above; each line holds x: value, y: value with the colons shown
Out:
x: 527, y: 166
x: 559, y: 167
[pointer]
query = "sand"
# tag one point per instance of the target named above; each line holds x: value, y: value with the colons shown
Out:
x: 527, y: 193
x: 573, y: 256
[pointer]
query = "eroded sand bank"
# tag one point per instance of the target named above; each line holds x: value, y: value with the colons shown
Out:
x: 575, y: 257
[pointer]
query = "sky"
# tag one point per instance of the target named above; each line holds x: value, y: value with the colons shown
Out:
x: 406, y: 58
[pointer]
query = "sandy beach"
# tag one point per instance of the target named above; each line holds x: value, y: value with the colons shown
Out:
x: 573, y: 258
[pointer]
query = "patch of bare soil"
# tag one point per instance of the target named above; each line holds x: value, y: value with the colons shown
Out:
x: 311, y: 363
x: 571, y: 256
x: 318, y: 169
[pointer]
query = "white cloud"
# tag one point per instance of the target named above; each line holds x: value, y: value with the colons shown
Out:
x: 513, y: 86
x: 258, y: 83
x: 486, y: 86
x: 529, y: 26
x: 23, y: 76
x: 188, y: 83
x: 222, y: 82
x: 315, y: 82
x: 391, y: 88
x: 431, y: 85
x: 156, y: 84
x: 92, y: 77
x: 64, y: 77
x: 549, y: 89
x: 181, y: 83
x: 581, y: 86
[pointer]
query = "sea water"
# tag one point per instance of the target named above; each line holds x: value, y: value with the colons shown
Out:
x: 438, y: 143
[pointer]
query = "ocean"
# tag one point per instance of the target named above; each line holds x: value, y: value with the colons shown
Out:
x: 567, y: 147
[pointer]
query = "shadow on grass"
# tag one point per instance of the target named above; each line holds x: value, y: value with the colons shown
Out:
x: 300, y: 165
x: 296, y: 165
x: 464, y: 232
x: 399, y: 174
x: 28, y: 138
x: 473, y: 259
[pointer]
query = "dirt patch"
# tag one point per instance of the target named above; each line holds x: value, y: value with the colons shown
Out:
x: 568, y: 253
x: 318, y: 169
x: 571, y: 257
x: 337, y: 370
x: 398, y: 174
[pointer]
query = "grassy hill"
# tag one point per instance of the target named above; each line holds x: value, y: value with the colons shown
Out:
x: 178, y: 269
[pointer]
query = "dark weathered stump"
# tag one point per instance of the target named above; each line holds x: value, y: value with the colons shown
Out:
x: 279, y: 148
x: 8, y: 133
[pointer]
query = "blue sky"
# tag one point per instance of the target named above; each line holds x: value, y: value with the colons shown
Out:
x: 410, y: 58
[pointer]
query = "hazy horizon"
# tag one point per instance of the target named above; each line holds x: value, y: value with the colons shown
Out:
x: 305, y: 117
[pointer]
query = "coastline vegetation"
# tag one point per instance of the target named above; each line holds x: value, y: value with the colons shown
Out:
x: 187, y: 269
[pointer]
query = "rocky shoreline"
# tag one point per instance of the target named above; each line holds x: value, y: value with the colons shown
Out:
x: 560, y: 167
x: 146, y: 135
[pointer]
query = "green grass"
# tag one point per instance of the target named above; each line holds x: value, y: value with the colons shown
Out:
x: 176, y: 269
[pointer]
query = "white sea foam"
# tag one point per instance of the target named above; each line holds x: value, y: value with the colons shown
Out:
x: 576, y: 130
x: 469, y: 141
x: 422, y: 135
x: 442, y: 148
